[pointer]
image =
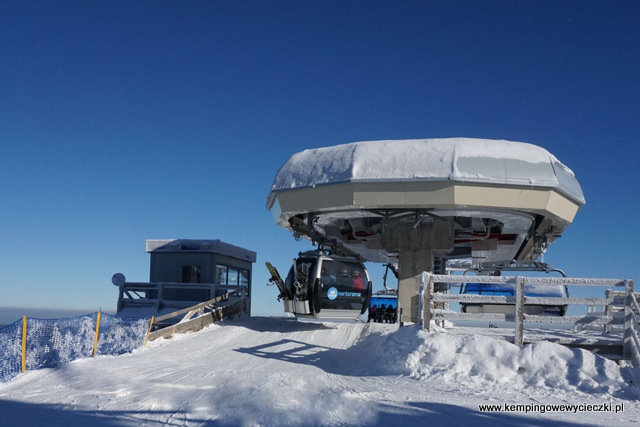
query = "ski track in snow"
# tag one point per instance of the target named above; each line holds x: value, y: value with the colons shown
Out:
x: 270, y: 371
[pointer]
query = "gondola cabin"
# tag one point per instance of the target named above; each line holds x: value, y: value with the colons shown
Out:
x: 326, y: 287
x: 509, y: 290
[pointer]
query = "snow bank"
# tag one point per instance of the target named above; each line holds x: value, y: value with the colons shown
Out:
x: 267, y: 371
x: 482, y: 362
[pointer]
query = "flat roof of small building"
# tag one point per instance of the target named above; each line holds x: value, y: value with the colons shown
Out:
x: 192, y: 245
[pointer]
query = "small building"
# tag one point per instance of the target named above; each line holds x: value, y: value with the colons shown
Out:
x: 185, y: 272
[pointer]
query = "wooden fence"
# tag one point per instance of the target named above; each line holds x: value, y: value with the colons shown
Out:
x: 196, y: 317
x: 620, y: 308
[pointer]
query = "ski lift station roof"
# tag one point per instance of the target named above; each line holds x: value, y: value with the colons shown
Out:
x: 451, y: 159
x: 501, y: 192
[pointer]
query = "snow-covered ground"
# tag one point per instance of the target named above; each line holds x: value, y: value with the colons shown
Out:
x: 272, y: 371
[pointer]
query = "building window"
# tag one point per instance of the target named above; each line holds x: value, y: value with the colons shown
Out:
x: 191, y: 274
x: 244, y: 277
x: 221, y: 274
x: 232, y: 277
x: 226, y: 275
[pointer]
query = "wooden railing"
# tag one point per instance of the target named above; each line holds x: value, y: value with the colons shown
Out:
x: 198, y: 316
x: 632, y: 329
x: 613, y: 304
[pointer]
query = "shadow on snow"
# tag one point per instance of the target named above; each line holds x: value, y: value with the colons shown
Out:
x: 416, y: 413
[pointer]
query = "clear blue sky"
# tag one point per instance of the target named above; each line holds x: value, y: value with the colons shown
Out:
x: 122, y: 121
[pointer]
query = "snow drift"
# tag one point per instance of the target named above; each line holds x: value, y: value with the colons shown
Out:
x: 269, y: 371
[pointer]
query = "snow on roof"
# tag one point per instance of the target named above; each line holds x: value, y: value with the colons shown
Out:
x: 190, y: 245
x: 453, y: 159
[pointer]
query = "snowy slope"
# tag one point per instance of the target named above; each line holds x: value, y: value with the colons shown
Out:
x: 270, y: 371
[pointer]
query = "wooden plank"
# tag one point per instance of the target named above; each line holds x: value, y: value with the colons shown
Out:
x: 528, y: 318
x: 194, y: 325
x: 500, y: 299
x: 454, y: 315
x: 582, y: 320
x: 551, y: 281
x: 473, y: 298
x: 195, y: 307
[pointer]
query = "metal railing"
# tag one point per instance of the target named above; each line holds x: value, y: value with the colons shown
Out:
x: 612, y: 315
x: 161, y: 295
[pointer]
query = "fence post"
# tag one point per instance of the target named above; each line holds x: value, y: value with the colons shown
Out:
x: 421, y: 302
x: 608, y: 309
x: 24, y: 343
x: 428, y: 286
x: 424, y: 300
x: 95, y: 342
x: 149, y: 331
x: 518, y: 339
x: 627, y: 350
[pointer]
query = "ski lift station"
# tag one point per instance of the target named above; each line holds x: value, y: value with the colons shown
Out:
x: 423, y: 207
x: 420, y: 203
